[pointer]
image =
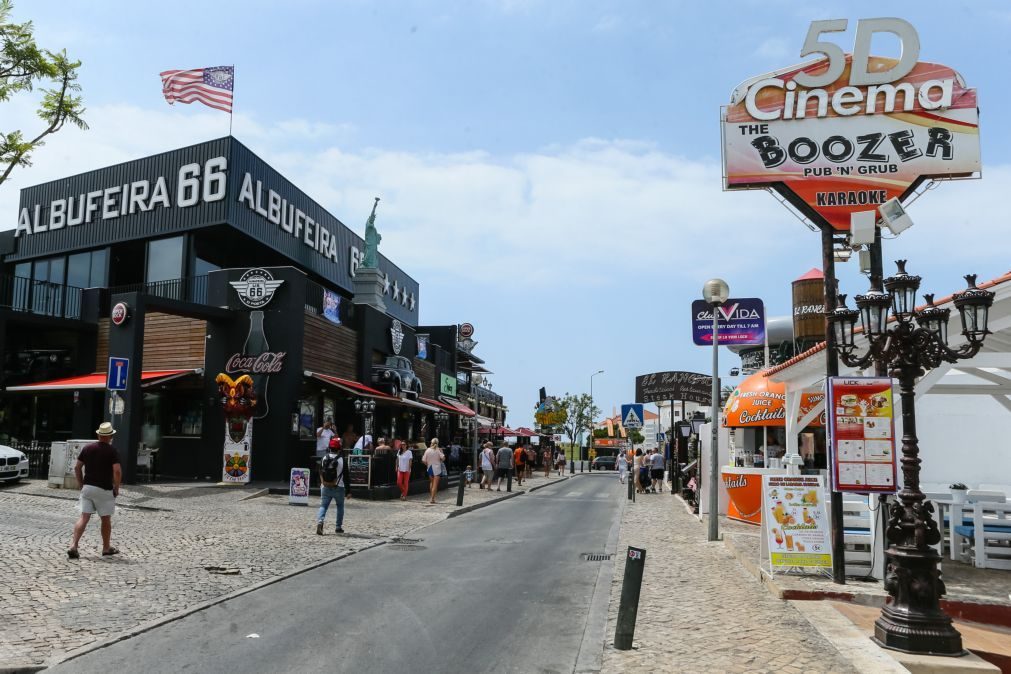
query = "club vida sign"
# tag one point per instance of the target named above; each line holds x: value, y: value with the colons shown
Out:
x: 847, y: 132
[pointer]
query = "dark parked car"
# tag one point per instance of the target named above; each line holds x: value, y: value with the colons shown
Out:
x: 396, y: 375
x: 605, y: 463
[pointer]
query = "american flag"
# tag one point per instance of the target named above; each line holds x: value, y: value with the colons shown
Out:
x: 210, y: 86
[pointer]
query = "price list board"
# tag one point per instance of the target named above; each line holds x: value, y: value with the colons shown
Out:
x: 862, y: 434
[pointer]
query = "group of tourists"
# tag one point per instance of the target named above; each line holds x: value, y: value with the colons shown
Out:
x: 647, y: 467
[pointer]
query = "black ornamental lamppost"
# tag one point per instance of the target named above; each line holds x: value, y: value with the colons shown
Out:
x: 366, y: 408
x: 913, y: 622
x: 440, y: 419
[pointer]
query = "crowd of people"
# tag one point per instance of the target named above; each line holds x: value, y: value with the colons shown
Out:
x: 648, y: 469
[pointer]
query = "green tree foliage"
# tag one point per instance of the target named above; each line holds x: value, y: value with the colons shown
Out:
x: 579, y: 415
x: 634, y: 436
x: 23, y: 66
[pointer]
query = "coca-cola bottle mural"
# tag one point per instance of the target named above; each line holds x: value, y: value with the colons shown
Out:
x: 254, y: 347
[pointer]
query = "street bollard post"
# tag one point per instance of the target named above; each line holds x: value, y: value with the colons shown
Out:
x: 509, y: 481
x: 628, y: 606
x: 459, y: 490
x: 581, y: 462
x: 572, y: 466
x: 631, y: 489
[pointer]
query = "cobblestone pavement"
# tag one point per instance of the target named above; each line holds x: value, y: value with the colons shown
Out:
x: 699, y: 610
x: 169, y: 535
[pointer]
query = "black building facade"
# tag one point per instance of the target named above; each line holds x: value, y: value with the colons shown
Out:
x: 230, y: 294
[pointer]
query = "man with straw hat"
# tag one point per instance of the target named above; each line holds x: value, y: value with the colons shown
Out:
x: 98, y: 476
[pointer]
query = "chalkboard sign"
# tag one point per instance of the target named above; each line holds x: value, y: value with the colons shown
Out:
x: 688, y: 386
x: 360, y: 467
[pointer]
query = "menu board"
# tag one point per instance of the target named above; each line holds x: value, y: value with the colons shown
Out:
x: 861, y: 440
x: 796, y: 521
x: 360, y: 467
x: 298, y: 487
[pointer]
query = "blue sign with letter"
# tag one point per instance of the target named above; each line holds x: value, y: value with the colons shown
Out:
x: 740, y: 321
x: 119, y: 370
x: 631, y: 415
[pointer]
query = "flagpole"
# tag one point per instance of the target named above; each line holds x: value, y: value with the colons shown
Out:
x: 231, y: 109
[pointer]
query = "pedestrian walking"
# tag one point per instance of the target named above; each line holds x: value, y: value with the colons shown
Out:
x: 658, y: 470
x: 404, y: 460
x: 622, y: 467
x: 469, y: 476
x: 546, y: 459
x: 637, y: 471
x: 335, y: 478
x: 435, y: 461
x: 98, y: 474
x: 559, y: 461
x: 503, y: 466
x: 519, y: 465
x: 487, y: 466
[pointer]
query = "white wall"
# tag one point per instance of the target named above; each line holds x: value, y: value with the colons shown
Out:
x: 962, y: 439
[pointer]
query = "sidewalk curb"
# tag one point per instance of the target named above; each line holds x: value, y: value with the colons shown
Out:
x: 590, y: 656
x: 178, y: 615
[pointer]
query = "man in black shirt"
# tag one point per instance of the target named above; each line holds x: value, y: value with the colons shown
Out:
x: 98, y: 476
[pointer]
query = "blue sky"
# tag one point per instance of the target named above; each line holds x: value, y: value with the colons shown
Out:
x: 550, y: 170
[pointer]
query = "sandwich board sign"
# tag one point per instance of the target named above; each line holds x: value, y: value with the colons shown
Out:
x: 631, y: 415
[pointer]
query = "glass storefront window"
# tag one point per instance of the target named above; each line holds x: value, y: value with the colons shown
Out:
x: 99, y: 268
x: 306, y: 420
x: 184, y: 415
x: 22, y: 286
x: 79, y: 270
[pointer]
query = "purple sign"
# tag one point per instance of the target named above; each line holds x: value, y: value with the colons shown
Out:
x: 741, y: 321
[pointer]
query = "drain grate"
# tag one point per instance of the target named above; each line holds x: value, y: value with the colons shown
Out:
x: 400, y: 540
x: 595, y: 557
x: 406, y: 547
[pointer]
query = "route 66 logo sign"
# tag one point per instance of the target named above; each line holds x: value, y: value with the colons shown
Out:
x: 397, y: 335
x: 255, y: 288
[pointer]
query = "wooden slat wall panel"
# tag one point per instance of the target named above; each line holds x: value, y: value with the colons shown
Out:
x: 426, y: 373
x: 102, y: 349
x: 173, y: 342
x: 329, y: 348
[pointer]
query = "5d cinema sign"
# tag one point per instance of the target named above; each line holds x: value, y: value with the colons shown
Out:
x: 847, y: 132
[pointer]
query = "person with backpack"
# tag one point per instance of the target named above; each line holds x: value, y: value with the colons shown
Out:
x: 335, y: 476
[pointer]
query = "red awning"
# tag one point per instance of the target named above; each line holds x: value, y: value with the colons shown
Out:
x: 97, y: 381
x: 458, y: 407
x: 351, y: 386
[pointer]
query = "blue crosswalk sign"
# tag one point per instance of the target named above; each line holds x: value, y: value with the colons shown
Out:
x: 119, y: 371
x: 631, y: 415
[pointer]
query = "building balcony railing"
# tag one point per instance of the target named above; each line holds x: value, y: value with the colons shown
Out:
x: 40, y: 297
x: 189, y: 289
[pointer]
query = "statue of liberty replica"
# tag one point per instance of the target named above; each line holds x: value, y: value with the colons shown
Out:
x: 368, y: 281
x: 370, y: 260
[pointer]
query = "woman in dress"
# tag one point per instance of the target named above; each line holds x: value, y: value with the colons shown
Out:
x: 433, y: 460
x: 637, y: 464
x: 622, y: 467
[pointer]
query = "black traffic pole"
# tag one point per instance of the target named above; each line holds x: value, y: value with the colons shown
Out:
x: 509, y: 479
x: 631, y: 488
x: 459, y: 490
x: 628, y: 607
x: 832, y: 370
x: 877, y: 274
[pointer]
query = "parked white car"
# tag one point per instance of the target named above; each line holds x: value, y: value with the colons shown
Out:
x: 13, y: 464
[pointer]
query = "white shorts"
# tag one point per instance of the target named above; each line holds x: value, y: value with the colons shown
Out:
x: 97, y: 500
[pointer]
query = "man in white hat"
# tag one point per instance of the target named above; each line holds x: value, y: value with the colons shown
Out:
x: 98, y: 476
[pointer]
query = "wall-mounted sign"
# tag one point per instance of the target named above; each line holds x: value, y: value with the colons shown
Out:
x: 276, y: 210
x: 332, y: 306
x: 118, y: 373
x: 466, y: 330
x: 268, y: 362
x: 795, y: 521
x: 447, y: 385
x: 848, y: 132
x: 255, y: 288
x: 690, y: 386
x: 740, y: 321
x: 120, y: 313
x: 861, y: 434
x: 422, y: 346
x: 396, y: 336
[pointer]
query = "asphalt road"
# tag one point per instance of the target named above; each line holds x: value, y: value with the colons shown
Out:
x: 491, y: 591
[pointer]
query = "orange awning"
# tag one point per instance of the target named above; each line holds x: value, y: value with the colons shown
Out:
x: 759, y: 401
x: 95, y: 381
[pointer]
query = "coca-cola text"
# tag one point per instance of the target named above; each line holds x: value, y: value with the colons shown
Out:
x: 268, y: 362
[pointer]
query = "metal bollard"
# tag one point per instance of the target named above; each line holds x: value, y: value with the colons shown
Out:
x: 628, y: 607
x: 572, y: 466
x: 631, y: 489
x: 459, y: 490
x: 581, y: 465
x: 509, y: 481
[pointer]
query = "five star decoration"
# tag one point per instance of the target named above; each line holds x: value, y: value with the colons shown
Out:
x: 396, y: 291
x: 386, y: 284
x: 411, y: 302
x: 402, y: 295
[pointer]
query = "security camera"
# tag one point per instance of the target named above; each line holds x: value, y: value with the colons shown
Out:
x: 895, y: 216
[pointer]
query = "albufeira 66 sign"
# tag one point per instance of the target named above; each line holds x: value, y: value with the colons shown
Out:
x: 847, y: 132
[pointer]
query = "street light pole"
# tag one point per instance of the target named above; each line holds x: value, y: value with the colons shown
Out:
x: 589, y: 441
x: 715, y: 292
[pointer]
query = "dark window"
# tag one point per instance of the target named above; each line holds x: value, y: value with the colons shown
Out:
x: 165, y: 267
x: 79, y: 270
x: 99, y: 268
x: 22, y: 286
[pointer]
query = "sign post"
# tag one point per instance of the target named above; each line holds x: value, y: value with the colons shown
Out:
x: 632, y: 415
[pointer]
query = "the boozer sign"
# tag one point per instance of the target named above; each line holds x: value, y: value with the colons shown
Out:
x: 846, y: 132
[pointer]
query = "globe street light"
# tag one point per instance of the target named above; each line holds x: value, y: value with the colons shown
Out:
x: 589, y: 441
x: 715, y: 292
x: 913, y: 622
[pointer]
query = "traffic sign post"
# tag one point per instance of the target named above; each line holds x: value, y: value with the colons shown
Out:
x: 632, y: 415
x: 118, y: 373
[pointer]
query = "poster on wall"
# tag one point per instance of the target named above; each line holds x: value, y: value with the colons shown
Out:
x: 795, y: 521
x: 298, y: 487
x: 422, y: 346
x: 332, y: 307
x: 238, y: 401
x: 861, y: 441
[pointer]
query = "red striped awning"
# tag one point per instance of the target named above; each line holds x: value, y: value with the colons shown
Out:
x: 350, y: 386
x: 97, y: 381
x: 455, y: 407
